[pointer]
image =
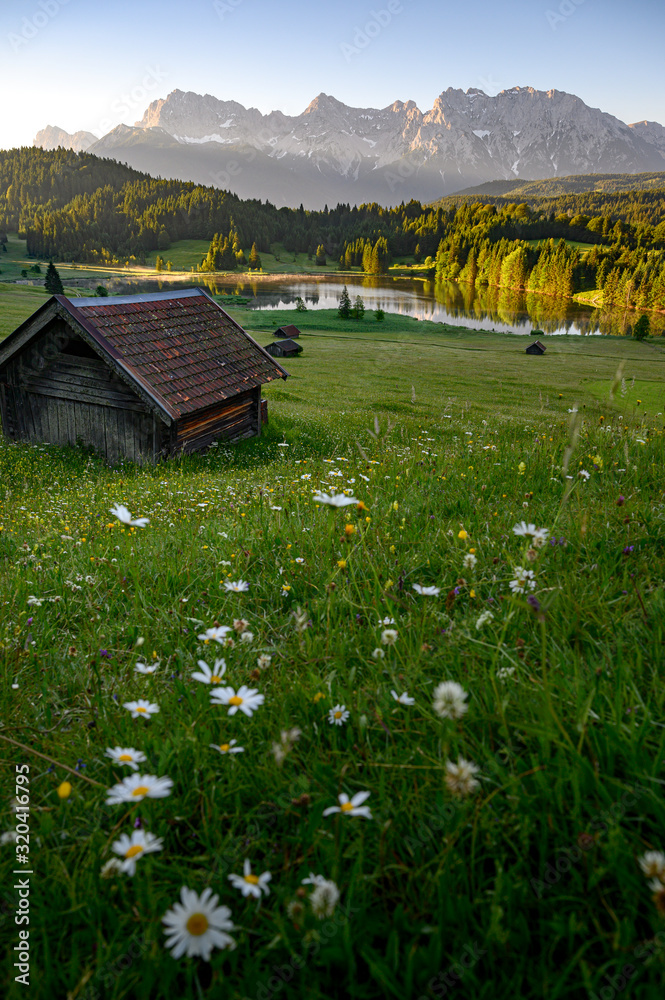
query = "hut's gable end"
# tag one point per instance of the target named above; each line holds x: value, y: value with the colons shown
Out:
x: 231, y: 420
x: 58, y: 389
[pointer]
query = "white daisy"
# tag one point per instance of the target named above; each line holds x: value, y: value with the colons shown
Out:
x: 237, y: 586
x: 389, y: 636
x: 196, y: 925
x: 141, y: 708
x: 584, y: 474
x: 146, y: 668
x: 324, y: 899
x: 338, y: 715
x: 426, y: 591
x: 217, y: 634
x: 351, y: 807
x: 403, y: 699
x: 525, y: 530
x: 120, y: 511
x: 300, y: 560
x: 126, y: 755
x: 313, y: 879
x: 207, y: 675
x: 450, y: 700
x: 525, y: 579
x: 134, y: 846
x: 460, y: 779
x: 225, y: 748
x: 136, y: 787
x: 334, y: 499
x: 247, y: 699
x: 251, y: 885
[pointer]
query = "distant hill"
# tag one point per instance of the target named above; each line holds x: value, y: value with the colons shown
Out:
x: 574, y: 184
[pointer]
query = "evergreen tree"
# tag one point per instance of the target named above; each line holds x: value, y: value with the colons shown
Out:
x: 159, y: 263
x: 52, y: 282
x: 300, y: 305
x: 358, y: 310
x: 320, y: 260
x: 254, y: 262
x: 379, y: 315
x: 344, y: 306
x: 641, y: 328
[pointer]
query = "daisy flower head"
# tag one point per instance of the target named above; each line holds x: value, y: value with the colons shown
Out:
x: 525, y: 579
x: 334, y: 499
x: 249, y: 884
x: 141, y: 709
x: 126, y: 756
x: 426, y: 591
x: 403, y: 699
x: 460, y: 778
x: 584, y: 474
x: 146, y: 668
x: 351, y: 807
x: 389, y: 636
x: 524, y: 530
x: 210, y: 675
x: 246, y: 699
x: 652, y: 864
x: 338, y: 715
x: 217, y: 634
x: 386, y: 621
x: 196, y: 925
x: 324, y: 899
x: 449, y: 700
x: 133, y: 846
x: 236, y: 586
x: 225, y: 748
x: 120, y: 511
x: 136, y: 787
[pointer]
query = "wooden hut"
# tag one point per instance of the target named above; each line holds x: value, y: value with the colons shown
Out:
x: 536, y: 348
x: 135, y: 376
x: 284, y: 349
x: 287, y: 332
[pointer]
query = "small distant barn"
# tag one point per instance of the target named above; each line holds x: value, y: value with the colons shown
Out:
x: 287, y: 332
x: 536, y: 348
x: 284, y: 349
x: 135, y: 376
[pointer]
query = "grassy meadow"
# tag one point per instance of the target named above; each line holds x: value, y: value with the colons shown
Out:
x: 506, y: 822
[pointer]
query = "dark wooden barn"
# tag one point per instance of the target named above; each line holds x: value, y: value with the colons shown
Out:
x: 536, y: 348
x: 283, y: 349
x: 288, y: 332
x: 135, y: 376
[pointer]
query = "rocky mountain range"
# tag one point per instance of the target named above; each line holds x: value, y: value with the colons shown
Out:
x: 334, y: 153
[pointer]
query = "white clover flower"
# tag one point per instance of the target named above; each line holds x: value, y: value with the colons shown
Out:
x: 324, y: 899
x: 460, y: 779
x: 389, y: 636
x: 126, y: 756
x: 652, y: 864
x: 35, y: 602
x: 120, y: 511
x: 334, y: 499
x: 426, y: 591
x: 403, y: 699
x: 351, y: 807
x: 196, y: 925
x: 134, y: 846
x: 449, y: 700
x: 264, y: 661
x: 247, y: 637
x: 338, y: 715
x: 141, y: 709
x: 251, y: 885
x: 240, y: 624
x: 484, y: 618
x: 503, y: 673
x: 210, y: 675
x: 247, y: 700
x: 136, y: 787
x: 237, y: 586
x: 112, y: 868
x: 469, y: 561
x: 217, y: 634
x: 378, y: 653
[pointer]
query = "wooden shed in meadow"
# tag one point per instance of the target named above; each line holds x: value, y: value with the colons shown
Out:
x: 287, y: 332
x: 536, y: 348
x: 135, y: 376
x: 284, y: 348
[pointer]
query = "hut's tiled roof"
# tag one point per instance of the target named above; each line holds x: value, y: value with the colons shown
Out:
x: 180, y: 346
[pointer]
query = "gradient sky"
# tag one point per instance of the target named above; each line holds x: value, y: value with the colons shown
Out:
x: 88, y: 65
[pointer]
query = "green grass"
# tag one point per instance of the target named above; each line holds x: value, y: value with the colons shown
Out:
x: 532, y: 881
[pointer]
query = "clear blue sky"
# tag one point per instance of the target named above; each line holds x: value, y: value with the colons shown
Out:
x: 89, y: 65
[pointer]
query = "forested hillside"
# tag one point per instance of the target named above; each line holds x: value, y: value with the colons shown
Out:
x: 78, y: 207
